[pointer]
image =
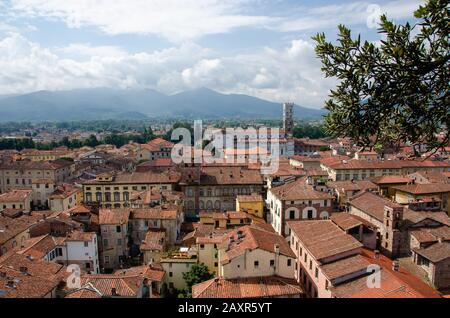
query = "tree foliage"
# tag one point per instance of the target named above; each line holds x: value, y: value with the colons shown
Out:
x: 397, y: 90
x: 196, y: 275
x: 310, y: 131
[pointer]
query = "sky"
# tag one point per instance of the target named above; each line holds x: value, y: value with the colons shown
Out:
x: 261, y: 48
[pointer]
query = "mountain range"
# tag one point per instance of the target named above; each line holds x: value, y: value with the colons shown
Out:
x: 105, y: 103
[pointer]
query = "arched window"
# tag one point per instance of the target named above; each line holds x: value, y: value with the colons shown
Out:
x: 209, y: 205
x: 324, y: 215
x: 217, y: 205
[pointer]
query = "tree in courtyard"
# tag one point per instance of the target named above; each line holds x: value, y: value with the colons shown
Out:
x: 397, y: 90
x: 196, y: 275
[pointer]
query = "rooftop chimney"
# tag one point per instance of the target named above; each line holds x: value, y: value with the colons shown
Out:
x: 376, y: 254
x: 277, y: 249
x: 23, y: 269
x: 395, y: 266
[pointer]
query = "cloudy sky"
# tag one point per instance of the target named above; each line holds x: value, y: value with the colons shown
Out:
x: 256, y: 47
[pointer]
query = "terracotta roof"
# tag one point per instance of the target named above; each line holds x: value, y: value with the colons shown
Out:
x: 311, y: 142
x: 86, y: 291
x: 153, y: 214
x: 35, y: 165
x: 78, y: 209
x: 436, y: 252
x: 250, y: 198
x: 148, y: 177
x: 17, y: 195
x: 157, y: 144
x: 81, y: 236
x: 386, y: 164
x: 125, y: 286
x: 211, y: 175
x: 345, y: 266
x: 358, y: 185
x: 372, y: 204
x: 428, y: 235
x: 418, y: 216
x: 40, y: 246
x: 248, y: 238
x: 393, y: 179
x: 393, y: 284
x: 299, y: 190
x: 255, y: 287
x: 113, y: 216
x: 154, y: 241
x: 307, y: 158
x: 9, y: 228
x: 15, y: 284
x: 64, y: 191
x: 154, y: 272
x: 347, y: 221
x: 424, y: 188
x: 34, y: 266
x: 323, y: 238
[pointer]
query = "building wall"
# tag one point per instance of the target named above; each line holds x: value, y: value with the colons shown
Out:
x: 244, y: 265
x: 25, y: 205
x: 215, y: 197
x: 208, y: 254
x: 41, y: 193
x: 78, y: 253
x: 254, y: 208
x: 363, y: 174
x: 174, y: 271
x: 121, y: 192
x: 405, y: 198
x: 63, y: 204
x: 14, y: 242
x: 308, y: 270
x: 113, y: 250
x: 280, y: 211
x: 140, y: 227
x: 13, y: 179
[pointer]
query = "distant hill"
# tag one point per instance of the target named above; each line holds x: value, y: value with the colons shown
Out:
x: 104, y: 103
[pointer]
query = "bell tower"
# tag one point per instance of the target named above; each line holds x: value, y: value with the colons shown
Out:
x: 288, y: 119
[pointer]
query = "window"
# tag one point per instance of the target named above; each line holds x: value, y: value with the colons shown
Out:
x: 310, y: 264
x: 170, y: 274
x: 106, y: 259
x: 317, y: 273
x: 327, y: 284
x: 306, y: 257
x: 272, y: 263
x: 119, y: 242
x: 256, y: 264
x: 216, y: 264
x: 292, y: 215
x: 118, y: 229
x: 105, y: 243
x: 88, y: 265
x: 58, y: 251
x: 289, y: 262
x: 86, y: 244
x: 202, y: 246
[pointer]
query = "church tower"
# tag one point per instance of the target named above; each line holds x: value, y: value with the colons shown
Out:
x: 288, y: 119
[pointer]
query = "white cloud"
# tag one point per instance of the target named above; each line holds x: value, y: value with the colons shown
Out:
x: 292, y: 73
x: 86, y: 49
x: 172, y: 19
x: 352, y: 13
